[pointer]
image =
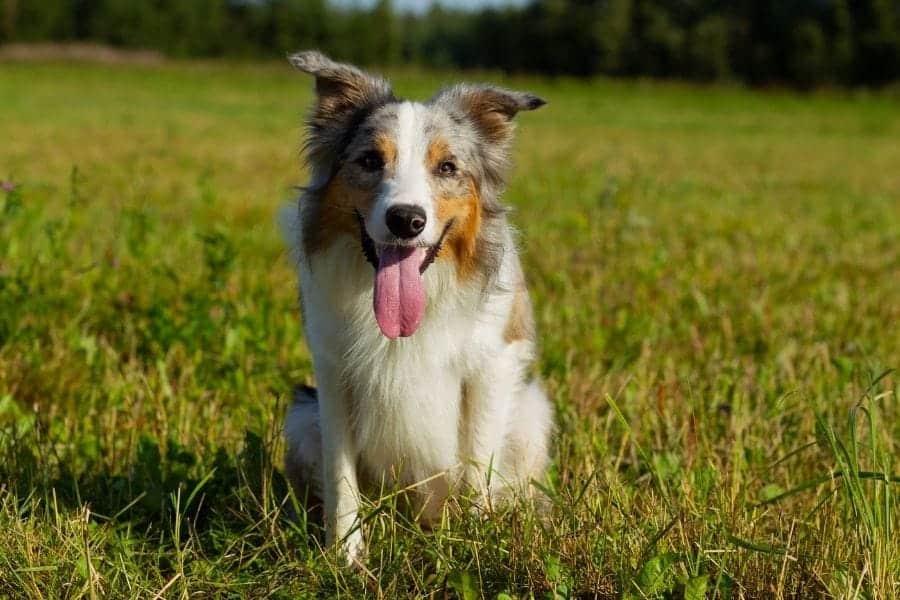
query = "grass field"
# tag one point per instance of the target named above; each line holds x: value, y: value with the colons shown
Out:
x: 717, y: 280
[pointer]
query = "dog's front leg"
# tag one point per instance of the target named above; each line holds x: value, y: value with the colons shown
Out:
x: 488, y: 400
x: 339, y: 482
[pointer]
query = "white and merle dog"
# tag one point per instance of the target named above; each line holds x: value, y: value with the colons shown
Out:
x: 413, y: 298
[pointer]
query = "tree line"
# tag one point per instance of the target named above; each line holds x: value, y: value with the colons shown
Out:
x: 795, y: 42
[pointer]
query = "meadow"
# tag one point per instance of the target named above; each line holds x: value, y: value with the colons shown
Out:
x: 716, y: 274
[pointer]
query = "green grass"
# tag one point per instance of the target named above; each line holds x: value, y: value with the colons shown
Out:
x: 717, y: 282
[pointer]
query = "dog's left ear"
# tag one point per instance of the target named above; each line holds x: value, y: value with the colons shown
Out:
x: 345, y: 95
x: 489, y: 107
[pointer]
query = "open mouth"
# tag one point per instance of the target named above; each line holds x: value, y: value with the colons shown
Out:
x: 371, y: 254
x: 399, y: 294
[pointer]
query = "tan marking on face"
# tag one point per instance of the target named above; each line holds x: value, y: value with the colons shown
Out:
x: 332, y: 214
x: 520, y: 324
x: 461, y: 243
x: 438, y: 152
x: 386, y: 147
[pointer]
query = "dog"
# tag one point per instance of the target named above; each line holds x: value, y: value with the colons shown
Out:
x: 414, y: 302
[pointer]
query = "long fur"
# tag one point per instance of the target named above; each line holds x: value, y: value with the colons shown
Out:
x: 453, y: 405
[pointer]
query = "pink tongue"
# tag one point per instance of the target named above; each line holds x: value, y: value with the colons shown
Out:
x: 399, y: 293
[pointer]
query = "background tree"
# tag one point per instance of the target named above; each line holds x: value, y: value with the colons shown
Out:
x: 800, y: 42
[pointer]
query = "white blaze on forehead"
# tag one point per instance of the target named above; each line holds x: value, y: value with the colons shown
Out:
x: 411, y: 143
x: 411, y: 175
x: 408, y: 183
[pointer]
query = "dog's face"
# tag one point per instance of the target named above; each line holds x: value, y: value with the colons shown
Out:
x: 413, y: 181
x: 414, y: 170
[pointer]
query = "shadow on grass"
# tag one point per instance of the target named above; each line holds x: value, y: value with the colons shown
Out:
x: 167, y: 492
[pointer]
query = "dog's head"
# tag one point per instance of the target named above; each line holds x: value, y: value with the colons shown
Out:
x: 414, y: 181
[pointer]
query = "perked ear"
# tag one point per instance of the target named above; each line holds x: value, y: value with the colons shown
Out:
x: 490, y: 108
x: 345, y: 95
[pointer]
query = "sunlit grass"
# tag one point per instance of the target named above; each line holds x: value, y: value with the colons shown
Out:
x: 717, y: 283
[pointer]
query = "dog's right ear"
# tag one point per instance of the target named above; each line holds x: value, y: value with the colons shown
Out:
x: 345, y: 96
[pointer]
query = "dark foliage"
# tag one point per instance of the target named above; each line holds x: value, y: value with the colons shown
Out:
x: 800, y: 42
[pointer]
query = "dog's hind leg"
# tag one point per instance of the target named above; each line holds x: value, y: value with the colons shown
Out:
x: 303, y: 454
x: 526, y: 453
x: 508, y: 420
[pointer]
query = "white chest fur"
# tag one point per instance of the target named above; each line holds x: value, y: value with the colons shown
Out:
x: 405, y: 399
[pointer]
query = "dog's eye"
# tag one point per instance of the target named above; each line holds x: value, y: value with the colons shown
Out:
x: 447, y: 168
x: 370, y: 161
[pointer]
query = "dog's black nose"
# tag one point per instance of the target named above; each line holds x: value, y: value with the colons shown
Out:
x: 406, y: 220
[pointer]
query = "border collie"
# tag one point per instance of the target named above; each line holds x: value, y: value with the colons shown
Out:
x: 413, y: 299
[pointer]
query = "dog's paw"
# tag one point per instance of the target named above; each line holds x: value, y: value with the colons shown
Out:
x: 479, y: 488
x: 354, y: 550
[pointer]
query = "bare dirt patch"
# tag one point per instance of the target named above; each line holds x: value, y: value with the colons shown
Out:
x: 94, y: 53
